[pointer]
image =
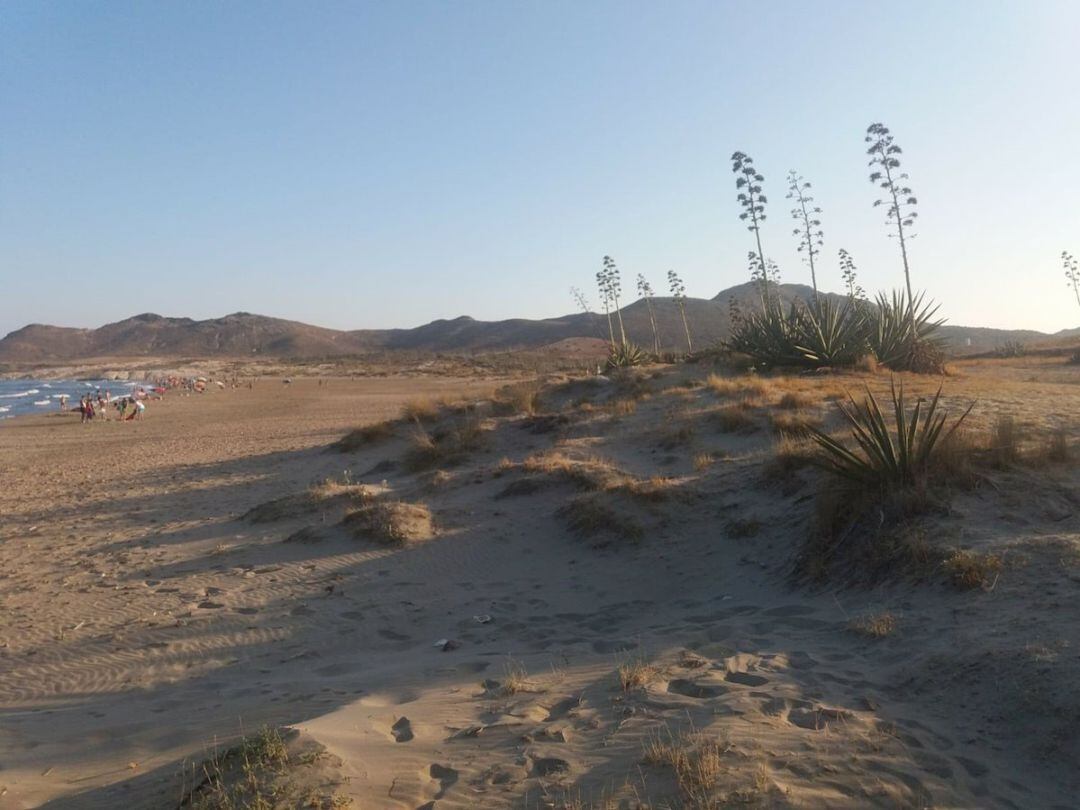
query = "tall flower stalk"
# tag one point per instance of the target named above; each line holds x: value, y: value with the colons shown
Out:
x: 1072, y: 273
x: 811, y: 237
x: 748, y: 183
x: 898, y: 198
x: 678, y: 292
x: 645, y: 290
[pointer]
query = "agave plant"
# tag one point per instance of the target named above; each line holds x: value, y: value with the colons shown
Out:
x: 625, y: 355
x: 822, y: 334
x: 768, y: 336
x: 893, y: 457
x: 902, y: 330
x: 831, y: 334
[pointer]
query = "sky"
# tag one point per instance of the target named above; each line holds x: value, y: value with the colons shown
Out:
x: 383, y: 164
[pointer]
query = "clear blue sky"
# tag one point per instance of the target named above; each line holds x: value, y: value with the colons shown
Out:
x: 383, y: 164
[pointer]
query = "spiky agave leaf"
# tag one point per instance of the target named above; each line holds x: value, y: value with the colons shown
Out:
x: 625, y: 355
x: 831, y: 335
x: 890, y: 457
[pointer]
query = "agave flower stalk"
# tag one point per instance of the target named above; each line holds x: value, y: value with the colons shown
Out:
x: 614, y: 281
x: 748, y: 182
x: 899, y: 200
x: 678, y: 292
x: 1072, y: 273
x: 811, y: 236
x: 645, y: 290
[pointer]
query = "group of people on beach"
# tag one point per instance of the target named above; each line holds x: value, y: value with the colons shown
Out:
x: 96, y: 406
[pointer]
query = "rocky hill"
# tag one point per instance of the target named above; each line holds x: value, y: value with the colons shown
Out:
x: 245, y: 335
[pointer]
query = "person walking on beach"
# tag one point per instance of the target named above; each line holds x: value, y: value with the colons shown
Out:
x: 63, y: 402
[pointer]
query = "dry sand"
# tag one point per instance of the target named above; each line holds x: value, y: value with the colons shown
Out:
x: 144, y: 618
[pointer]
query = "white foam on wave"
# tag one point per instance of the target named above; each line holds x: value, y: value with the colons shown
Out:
x: 4, y: 410
x: 43, y: 402
x: 31, y: 392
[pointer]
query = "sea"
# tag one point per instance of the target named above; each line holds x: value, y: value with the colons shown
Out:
x: 20, y: 397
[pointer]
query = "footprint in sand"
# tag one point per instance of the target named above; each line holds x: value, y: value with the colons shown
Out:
x: 746, y: 679
x: 446, y: 777
x: 402, y: 730
x: 817, y: 719
x: 690, y: 689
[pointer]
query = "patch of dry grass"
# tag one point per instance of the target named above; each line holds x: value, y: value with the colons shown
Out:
x: 973, y: 569
x: 316, y: 497
x: 790, y: 454
x: 259, y: 773
x: 515, y: 679
x: 637, y: 673
x: 736, y: 418
x: 702, y: 461
x: 622, y: 406
x: 675, y: 435
x: 442, y: 447
x: 366, y: 436
x: 420, y: 410
x: 874, y: 625
x: 697, y: 763
x: 794, y: 401
x: 743, y: 387
x: 518, y: 399
x: 1005, y: 441
x: 590, y: 517
x: 796, y: 425
x: 394, y: 523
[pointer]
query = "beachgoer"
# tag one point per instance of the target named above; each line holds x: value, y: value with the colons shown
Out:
x: 63, y: 402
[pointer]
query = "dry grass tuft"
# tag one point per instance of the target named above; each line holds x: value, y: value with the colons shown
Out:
x: 443, y: 447
x: 793, y: 401
x: 972, y: 569
x: 365, y: 436
x: 874, y: 625
x: 589, y: 517
x: 1005, y: 442
x: 637, y: 673
x: 789, y: 456
x: 259, y: 774
x: 516, y: 678
x: 420, y: 410
x: 793, y: 424
x: 393, y: 523
x: 745, y: 387
x: 623, y: 406
x: 675, y: 436
x: 734, y: 418
x: 316, y: 497
x: 591, y: 472
x: 697, y: 762
x: 514, y: 400
x: 702, y: 461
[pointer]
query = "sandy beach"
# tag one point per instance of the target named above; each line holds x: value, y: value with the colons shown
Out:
x: 598, y: 574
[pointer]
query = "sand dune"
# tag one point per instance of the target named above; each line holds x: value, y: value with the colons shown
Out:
x: 522, y: 647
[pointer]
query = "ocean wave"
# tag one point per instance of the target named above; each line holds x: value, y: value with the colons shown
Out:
x: 4, y: 410
x: 31, y: 392
x: 43, y: 402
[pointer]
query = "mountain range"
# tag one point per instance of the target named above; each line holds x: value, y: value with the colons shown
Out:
x: 243, y: 334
